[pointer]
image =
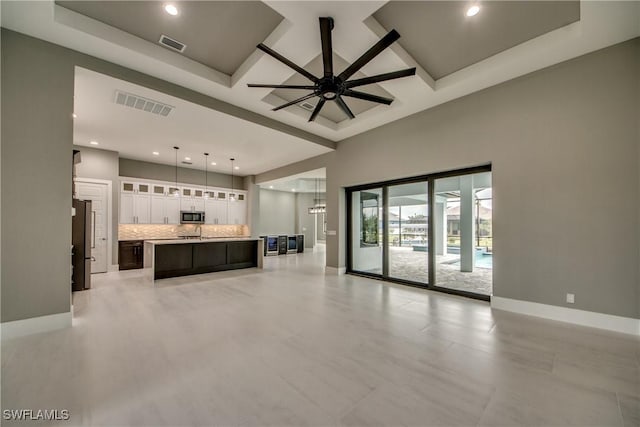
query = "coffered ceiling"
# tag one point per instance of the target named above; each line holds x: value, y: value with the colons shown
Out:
x: 435, y: 35
x: 454, y: 54
x: 211, y: 30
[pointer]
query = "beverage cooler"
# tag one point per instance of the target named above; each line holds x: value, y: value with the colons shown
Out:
x: 292, y: 244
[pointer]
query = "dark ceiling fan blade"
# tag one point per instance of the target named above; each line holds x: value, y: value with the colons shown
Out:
x: 326, y: 25
x: 375, y: 50
x: 295, y: 101
x: 316, y: 110
x: 343, y: 106
x: 367, y: 97
x: 380, y: 78
x: 282, y: 86
x: 288, y: 63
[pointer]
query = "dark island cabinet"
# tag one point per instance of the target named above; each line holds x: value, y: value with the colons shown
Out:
x: 174, y: 257
x: 209, y: 255
x: 184, y: 259
x: 130, y: 254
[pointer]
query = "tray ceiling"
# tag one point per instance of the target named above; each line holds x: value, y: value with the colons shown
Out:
x: 434, y: 34
x: 207, y: 28
x: 455, y: 55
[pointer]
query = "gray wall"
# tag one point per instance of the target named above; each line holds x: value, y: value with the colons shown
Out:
x: 148, y: 170
x: 563, y: 143
x: 304, y: 220
x: 277, y: 212
x: 103, y: 164
x: 37, y: 136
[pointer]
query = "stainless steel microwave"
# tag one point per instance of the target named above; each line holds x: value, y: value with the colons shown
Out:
x: 188, y: 217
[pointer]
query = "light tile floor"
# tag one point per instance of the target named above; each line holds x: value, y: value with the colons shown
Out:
x: 405, y: 263
x: 289, y: 346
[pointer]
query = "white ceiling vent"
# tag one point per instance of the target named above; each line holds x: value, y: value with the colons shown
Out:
x: 172, y: 44
x: 307, y: 106
x: 144, y: 104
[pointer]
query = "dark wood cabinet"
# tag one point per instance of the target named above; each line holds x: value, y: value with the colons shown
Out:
x: 174, y: 257
x: 209, y: 255
x: 130, y: 254
x: 173, y: 260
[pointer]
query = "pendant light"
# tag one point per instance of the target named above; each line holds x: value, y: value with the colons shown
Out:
x: 232, y: 196
x: 318, y: 206
x: 206, y: 175
x: 176, y: 192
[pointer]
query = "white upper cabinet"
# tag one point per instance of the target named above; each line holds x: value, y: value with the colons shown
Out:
x: 156, y: 203
x: 172, y: 209
x: 135, y: 208
x: 165, y: 210
x: 238, y: 212
x: 135, y: 187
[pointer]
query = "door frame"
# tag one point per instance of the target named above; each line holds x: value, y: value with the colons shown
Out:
x: 430, y: 179
x: 109, y: 184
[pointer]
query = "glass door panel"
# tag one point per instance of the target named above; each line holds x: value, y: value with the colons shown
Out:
x: 408, y: 231
x: 367, y: 231
x: 463, y: 241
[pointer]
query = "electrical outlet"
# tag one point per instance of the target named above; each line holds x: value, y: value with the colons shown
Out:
x: 571, y: 298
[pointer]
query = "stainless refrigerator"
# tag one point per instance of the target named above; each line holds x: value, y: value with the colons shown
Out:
x: 81, y: 239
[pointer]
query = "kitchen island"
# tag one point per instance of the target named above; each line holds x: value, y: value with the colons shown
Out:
x: 184, y: 257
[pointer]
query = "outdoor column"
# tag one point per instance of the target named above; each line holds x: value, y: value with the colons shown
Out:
x: 467, y: 224
x: 440, y: 224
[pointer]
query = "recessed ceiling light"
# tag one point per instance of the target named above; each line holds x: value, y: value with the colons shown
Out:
x: 155, y: 153
x: 187, y: 158
x: 271, y: 186
x: 213, y: 163
x: 93, y: 142
x: 74, y: 115
x: 293, y: 189
x: 171, y: 9
x: 473, y: 10
x: 237, y: 167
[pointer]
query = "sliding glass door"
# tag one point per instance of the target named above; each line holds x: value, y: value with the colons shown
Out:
x: 367, y: 228
x: 408, y: 231
x: 433, y: 231
x: 463, y: 240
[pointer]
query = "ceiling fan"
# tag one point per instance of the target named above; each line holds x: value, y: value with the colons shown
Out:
x: 331, y: 87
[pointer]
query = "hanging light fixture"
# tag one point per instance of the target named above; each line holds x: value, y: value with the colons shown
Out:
x: 318, y: 205
x: 176, y: 192
x: 232, y: 196
x: 206, y: 175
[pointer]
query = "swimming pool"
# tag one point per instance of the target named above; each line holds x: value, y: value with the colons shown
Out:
x: 483, y: 260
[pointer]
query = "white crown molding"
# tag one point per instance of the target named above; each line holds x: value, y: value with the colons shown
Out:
x: 625, y: 325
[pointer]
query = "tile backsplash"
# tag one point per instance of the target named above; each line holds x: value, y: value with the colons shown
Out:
x: 164, y: 231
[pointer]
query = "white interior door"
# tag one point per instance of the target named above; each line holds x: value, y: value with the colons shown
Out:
x: 99, y: 196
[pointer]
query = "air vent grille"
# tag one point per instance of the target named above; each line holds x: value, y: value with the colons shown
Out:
x: 307, y: 106
x: 184, y: 162
x: 143, y: 104
x: 172, y: 44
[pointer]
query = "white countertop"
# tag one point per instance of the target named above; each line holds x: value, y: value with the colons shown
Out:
x: 199, y: 240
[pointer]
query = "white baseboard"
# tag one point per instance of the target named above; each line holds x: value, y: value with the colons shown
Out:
x: 113, y: 267
x: 335, y: 271
x: 625, y: 325
x: 34, y: 325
